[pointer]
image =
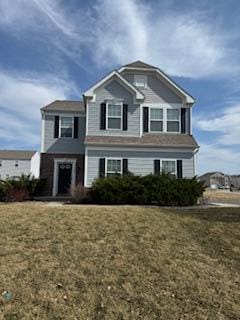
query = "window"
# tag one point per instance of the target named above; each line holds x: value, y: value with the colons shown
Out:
x: 7, y: 176
x: 140, y: 81
x: 173, y: 121
x: 156, y: 119
x: 114, y: 166
x: 66, y: 127
x: 0, y: 163
x: 169, y: 166
x: 114, y: 116
x: 16, y: 163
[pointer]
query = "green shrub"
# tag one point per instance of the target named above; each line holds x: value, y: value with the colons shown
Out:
x: 163, y: 190
x: 23, y: 188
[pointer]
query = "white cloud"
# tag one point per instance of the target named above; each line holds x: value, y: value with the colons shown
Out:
x: 213, y: 157
x: 226, y: 125
x: 22, y: 96
x: 115, y: 32
x: 17, y: 131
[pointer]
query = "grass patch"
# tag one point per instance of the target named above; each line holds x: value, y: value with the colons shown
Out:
x: 119, y: 262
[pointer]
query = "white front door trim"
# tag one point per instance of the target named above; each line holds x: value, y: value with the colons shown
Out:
x: 57, y: 161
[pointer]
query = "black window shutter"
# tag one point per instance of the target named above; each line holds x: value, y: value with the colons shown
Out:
x: 125, y: 117
x: 103, y: 116
x: 183, y: 120
x: 76, y: 127
x: 56, y: 126
x: 102, y: 167
x: 125, y: 166
x: 179, y: 169
x: 156, y: 166
x: 145, y: 119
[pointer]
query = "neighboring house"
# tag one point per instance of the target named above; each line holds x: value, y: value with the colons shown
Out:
x: 216, y: 180
x: 134, y: 119
x: 14, y: 163
x: 235, y: 181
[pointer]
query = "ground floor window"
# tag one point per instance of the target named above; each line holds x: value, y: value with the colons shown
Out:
x: 114, y: 166
x: 169, y: 166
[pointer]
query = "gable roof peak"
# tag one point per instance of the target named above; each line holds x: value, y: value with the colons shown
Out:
x: 139, y: 64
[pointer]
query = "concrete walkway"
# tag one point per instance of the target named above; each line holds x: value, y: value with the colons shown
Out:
x: 224, y: 205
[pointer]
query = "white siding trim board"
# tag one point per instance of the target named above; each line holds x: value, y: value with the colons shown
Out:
x: 144, y: 149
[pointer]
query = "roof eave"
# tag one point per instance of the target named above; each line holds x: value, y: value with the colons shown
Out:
x: 90, y: 92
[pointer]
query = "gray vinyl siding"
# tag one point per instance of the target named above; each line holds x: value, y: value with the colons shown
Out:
x: 156, y: 90
x: 113, y: 90
x: 8, y: 168
x: 139, y: 162
x: 63, y: 145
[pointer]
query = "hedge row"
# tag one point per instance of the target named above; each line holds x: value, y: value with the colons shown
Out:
x: 163, y: 190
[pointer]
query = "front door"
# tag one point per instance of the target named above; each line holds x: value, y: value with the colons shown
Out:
x: 64, y: 177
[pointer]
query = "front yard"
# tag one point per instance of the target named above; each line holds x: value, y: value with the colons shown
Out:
x: 98, y: 262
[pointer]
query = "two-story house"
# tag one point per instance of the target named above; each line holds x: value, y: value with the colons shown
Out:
x: 134, y: 119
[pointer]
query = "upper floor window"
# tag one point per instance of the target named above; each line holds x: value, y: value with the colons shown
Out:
x: 66, y: 127
x: 114, y: 116
x: 140, y: 81
x: 156, y: 119
x: 0, y: 163
x: 114, y: 166
x: 173, y: 120
x: 16, y: 163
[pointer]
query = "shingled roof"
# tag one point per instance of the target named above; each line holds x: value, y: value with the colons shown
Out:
x: 16, y: 154
x: 65, y: 105
x: 148, y: 140
x: 139, y: 64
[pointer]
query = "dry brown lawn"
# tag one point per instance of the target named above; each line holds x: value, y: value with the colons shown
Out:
x: 222, y: 196
x: 76, y: 262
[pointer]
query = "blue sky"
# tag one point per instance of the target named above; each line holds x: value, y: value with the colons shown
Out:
x: 52, y: 49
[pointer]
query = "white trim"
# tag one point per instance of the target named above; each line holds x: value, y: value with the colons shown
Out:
x: 121, y: 122
x: 57, y: 161
x: 86, y: 167
x: 90, y: 91
x: 143, y: 149
x: 43, y: 134
x: 87, y: 117
x: 141, y: 120
x: 60, y: 126
x: 167, y: 79
x: 190, y: 121
x: 113, y: 158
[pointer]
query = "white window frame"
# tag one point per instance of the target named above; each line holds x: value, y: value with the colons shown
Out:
x: 179, y: 120
x: 106, y: 162
x: 149, y: 119
x: 60, y: 126
x: 137, y: 82
x: 164, y: 108
x: 120, y: 103
x: 161, y: 165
